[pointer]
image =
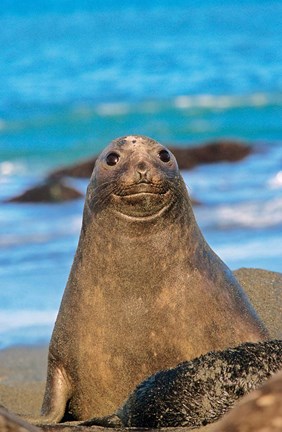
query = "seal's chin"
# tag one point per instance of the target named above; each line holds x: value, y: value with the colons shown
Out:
x: 142, y: 203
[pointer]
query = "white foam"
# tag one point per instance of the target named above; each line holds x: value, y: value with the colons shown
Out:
x: 17, y: 319
x: 20, y: 238
x: 225, y: 101
x: 113, y: 109
x: 252, y: 215
x: 276, y: 181
x: 8, y: 168
x: 252, y: 249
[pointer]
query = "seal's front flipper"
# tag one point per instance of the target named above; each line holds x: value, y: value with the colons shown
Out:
x: 56, y: 397
x: 111, y: 421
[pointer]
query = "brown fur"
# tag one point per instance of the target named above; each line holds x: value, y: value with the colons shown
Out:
x: 145, y: 290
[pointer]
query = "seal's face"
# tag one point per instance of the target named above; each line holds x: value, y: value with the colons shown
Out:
x: 136, y: 177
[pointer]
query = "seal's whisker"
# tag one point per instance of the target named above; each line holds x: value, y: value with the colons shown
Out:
x: 188, y: 187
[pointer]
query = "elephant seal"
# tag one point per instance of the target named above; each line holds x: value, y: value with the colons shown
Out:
x: 260, y: 411
x: 145, y: 290
x: 197, y: 392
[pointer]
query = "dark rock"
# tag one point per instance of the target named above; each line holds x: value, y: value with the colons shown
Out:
x: 52, y: 191
x: 261, y: 410
x: 187, y: 158
x: 81, y: 169
x: 212, y: 152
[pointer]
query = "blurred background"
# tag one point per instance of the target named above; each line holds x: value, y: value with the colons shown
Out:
x: 75, y: 74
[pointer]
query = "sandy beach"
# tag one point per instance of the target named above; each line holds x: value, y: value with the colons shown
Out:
x: 23, y: 368
x: 22, y: 379
x: 22, y: 382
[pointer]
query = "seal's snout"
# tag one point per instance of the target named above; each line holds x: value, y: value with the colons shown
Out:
x: 143, y: 173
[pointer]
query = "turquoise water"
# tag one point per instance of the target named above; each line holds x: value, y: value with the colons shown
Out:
x: 76, y: 74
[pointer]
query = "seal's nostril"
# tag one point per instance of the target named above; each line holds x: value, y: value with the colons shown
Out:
x: 143, y: 172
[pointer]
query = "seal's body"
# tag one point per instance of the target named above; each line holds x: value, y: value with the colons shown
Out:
x: 260, y: 411
x: 145, y: 291
x: 200, y: 391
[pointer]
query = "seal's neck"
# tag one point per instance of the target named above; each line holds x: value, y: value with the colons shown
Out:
x: 130, y: 255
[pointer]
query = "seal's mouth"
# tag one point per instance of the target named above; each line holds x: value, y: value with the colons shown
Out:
x: 142, y: 201
x: 142, y: 188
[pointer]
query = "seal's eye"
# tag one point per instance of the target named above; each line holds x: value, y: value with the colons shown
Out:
x: 112, y: 159
x: 164, y: 156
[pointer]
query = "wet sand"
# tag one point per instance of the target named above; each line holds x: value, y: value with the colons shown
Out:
x: 23, y: 369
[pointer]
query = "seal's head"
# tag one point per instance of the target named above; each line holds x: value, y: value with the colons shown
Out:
x: 135, y: 177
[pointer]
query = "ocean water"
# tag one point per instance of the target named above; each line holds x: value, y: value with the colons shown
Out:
x: 76, y: 74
